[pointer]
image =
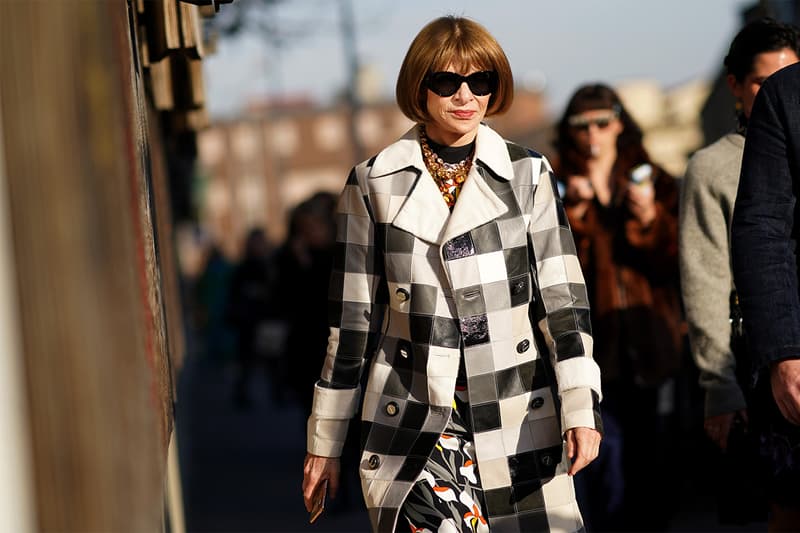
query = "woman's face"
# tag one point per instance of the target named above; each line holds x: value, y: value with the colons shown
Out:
x: 764, y: 65
x: 596, y: 131
x: 454, y: 120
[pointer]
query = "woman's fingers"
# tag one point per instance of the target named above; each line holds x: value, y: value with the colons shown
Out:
x: 316, y: 469
x: 585, y: 446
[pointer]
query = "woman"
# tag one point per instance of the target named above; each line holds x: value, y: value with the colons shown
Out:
x: 760, y: 49
x: 623, y: 212
x: 451, y: 249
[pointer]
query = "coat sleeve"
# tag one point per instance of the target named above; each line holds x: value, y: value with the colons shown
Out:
x: 356, y: 306
x: 563, y: 306
x: 763, y: 236
x: 706, y: 281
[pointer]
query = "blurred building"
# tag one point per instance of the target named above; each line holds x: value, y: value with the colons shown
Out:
x: 670, y: 119
x: 255, y: 169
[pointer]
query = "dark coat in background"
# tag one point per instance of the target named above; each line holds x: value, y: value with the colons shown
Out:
x: 765, y: 267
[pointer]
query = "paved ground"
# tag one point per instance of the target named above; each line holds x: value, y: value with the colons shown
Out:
x: 242, y: 470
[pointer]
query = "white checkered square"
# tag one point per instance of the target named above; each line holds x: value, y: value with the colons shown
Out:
x: 500, y: 325
x: 464, y: 272
x: 514, y: 410
x: 552, y: 272
x: 492, y: 267
x: 358, y: 287
x: 489, y: 445
x: 505, y: 354
x: 494, y: 473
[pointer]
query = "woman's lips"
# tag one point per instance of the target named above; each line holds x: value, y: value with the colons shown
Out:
x: 464, y: 114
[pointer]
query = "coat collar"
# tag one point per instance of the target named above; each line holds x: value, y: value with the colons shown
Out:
x: 424, y: 212
x: 490, y: 149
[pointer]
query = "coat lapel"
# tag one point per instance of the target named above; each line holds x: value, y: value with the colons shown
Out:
x: 424, y: 212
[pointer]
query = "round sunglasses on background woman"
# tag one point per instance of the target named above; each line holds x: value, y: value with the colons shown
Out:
x: 469, y: 420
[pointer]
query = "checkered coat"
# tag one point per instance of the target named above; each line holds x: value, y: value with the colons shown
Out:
x: 414, y: 286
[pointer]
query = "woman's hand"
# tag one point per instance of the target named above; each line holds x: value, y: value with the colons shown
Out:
x: 579, y: 191
x: 317, y: 469
x: 641, y: 201
x: 583, y: 445
x: 719, y: 427
x: 579, y: 188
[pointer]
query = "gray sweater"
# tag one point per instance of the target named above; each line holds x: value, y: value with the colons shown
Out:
x: 706, y: 210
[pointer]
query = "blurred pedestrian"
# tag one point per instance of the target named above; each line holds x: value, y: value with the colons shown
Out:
x: 259, y: 337
x: 304, y: 266
x: 452, y: 252
x: 765, y: 267
x: 211, y: 295
x: 707, y: 200
x: 623, y: 211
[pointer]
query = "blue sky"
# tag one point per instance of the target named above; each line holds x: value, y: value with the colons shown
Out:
x: 562, y: 42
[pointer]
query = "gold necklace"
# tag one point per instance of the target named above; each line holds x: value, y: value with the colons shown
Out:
x: 449, y: 177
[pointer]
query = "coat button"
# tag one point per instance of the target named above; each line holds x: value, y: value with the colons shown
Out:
x: 537, y: 402
x: 374, y: 462
x: 546, y: 460
x: 523, y: 346
x: 392, y: 409
x: 517, y: 287
x: 402, y: 295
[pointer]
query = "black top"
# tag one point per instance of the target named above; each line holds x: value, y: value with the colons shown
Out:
x: 451, y: 154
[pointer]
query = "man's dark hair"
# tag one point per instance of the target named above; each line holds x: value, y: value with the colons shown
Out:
x: 757, y: 37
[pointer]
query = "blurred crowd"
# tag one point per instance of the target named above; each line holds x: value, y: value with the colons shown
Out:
x: 260, y: 312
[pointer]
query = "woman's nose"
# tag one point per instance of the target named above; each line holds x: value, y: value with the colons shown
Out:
x: 464, y: 93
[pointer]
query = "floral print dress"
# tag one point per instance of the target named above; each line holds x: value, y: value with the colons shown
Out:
x: 447, y: 496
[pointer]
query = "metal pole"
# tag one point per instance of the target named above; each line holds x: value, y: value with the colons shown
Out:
x: 351, y: 58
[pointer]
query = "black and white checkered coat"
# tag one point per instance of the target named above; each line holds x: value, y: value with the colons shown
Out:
x: 413, y: 286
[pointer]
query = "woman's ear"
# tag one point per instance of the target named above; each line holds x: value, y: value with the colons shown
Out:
x: 734, y: 86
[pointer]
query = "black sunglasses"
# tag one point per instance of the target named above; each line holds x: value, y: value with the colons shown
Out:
x: 448, y: 83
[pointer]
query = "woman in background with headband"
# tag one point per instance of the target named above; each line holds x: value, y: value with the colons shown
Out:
x: 623, y: 211
x: 456, y: 292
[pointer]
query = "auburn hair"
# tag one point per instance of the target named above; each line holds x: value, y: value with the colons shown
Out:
x: 451, y: 41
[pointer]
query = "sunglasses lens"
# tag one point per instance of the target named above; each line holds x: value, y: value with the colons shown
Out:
x: 448, y: 83
x: 444, y: 83
x: 582, y: 124
x: 482, y: 83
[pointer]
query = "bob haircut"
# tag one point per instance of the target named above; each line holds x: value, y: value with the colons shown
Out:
x: 458, y: 41
x: 630, y: 150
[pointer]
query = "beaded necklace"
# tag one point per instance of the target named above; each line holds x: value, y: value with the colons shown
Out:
x: 449, y: 177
